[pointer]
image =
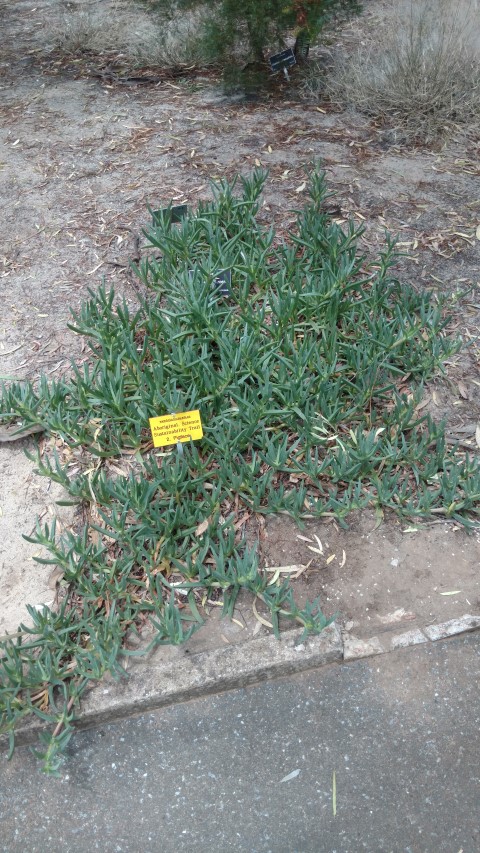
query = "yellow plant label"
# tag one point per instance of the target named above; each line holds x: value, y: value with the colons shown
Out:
x: 169, y: 429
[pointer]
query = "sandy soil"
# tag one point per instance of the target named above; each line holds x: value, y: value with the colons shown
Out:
x: 85, y: 149
x: 381, y: 576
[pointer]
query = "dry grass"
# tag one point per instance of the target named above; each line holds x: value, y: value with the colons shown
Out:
x: 418, y: 71
x: 141, y: 37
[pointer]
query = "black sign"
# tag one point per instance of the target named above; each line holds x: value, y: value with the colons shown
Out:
x: 173, y: 214
x: 222, y: 282
x: 302, y: 45
x: 282, y: 61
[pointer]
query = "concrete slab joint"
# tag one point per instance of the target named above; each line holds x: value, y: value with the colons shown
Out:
x: 409, y: 638
x: 354, y: 647
x: 452, y: 627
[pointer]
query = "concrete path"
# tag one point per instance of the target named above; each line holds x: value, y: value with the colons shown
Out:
x: 253, y: 770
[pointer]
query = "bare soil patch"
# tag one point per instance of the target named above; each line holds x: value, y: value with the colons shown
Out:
x: 381, y: 576
x: 85, y: 150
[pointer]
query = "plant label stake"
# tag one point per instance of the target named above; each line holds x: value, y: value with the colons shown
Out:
x: 179, y: 443
x: 176, y: 429
x: 222, y: 282
x: 175, y: 213
x: 283, y: 61
x: 302, y: 45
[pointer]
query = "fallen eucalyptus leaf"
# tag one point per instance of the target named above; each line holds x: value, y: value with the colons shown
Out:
x: 55, y: 578
x: 202, y: 527
x: 15, y: 433
x: 292, y: 775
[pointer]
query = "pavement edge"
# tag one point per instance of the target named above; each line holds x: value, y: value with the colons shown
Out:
x: 152, y: 685
x: 355, y: 648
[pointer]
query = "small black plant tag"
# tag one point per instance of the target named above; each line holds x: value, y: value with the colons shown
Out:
x: 175, y: 212
x: 222, y: 282
x: 282, y: 61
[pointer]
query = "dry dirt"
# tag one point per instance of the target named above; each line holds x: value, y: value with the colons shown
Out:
x: 85, y: 151
x: 381, y: 577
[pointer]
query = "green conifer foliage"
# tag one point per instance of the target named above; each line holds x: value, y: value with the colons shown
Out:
x: 250, y: 28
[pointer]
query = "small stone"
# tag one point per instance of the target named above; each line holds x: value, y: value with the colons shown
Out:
x: 452, y: 627
x: 398, y: 615
x: 40, y: 607
x: 349, y: 625
x: 409, y: 638
x: 300, y: 647
x: 133, y: 640
x: 354, y: 648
